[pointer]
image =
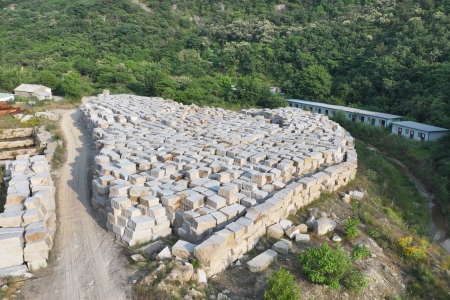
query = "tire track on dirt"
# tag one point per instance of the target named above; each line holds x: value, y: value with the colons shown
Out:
x: 88, y: 263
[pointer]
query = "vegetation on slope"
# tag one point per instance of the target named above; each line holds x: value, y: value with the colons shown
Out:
x: 428, y: 161
x: 386, y: 55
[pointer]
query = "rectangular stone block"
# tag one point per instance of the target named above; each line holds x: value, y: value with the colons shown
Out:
x: 141, y: 223
x: 204, y: 222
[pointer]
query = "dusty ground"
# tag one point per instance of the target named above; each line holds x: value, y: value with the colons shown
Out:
x: 86, y: 262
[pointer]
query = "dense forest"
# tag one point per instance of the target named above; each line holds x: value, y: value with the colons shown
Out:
x: 384, y: 55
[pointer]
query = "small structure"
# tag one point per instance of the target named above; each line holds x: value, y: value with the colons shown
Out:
x: 418, y: 131
x: 275, y: 89
x: 6, y: 97
x: 33, y: 90
x: 351, y: 114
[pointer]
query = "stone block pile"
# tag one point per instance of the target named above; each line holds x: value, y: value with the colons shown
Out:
x: 215, y: 178
x: 28, y: 222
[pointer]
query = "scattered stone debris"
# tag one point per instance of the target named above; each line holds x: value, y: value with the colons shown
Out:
x: 282, y: 247
x: 336, y: 238
x: 324, y: 225
x: 138, y: 258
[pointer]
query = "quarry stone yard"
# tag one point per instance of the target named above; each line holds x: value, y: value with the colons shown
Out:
x: 217, y: 179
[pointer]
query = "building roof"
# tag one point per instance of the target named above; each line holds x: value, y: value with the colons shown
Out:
x: 4, y: 95
x: 419, y: 126
x: 42, y: 93
x: 30, y: 88
x: 348, y: 109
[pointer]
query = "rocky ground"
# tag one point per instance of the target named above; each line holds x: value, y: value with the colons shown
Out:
x: 383, y: 271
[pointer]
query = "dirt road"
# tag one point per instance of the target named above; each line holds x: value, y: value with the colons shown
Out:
x: 87, y: 263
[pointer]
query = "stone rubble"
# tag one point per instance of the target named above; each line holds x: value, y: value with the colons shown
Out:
x: 217, y: 179
x: 28, y: 222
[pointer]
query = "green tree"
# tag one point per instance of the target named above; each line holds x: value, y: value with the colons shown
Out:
x: 313, y: 82
x: 72, y: 86
x: 47, y: 78
x: 157, y: 81
x: 84, y: 66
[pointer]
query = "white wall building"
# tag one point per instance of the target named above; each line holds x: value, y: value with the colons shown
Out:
x: 351, y: 114
x: 418, y: 131
x: 33, y: 90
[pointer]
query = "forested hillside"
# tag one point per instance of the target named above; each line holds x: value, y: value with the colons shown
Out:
x: 386, y: 55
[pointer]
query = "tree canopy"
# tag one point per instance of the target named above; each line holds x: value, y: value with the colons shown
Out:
x: 391, y: 56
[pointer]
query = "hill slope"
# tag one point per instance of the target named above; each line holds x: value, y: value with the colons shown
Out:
x: 383, y: 55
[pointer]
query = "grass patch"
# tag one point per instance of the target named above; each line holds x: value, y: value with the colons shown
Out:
x: 401, y: 201
x: 50, y: 127
x: 145, y: 292
x: 8, y: 121
x: 429, y: 161
x: 58, y: 157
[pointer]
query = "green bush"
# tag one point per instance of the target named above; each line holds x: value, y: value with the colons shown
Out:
x: 282, y: 286
x: 351, y: 227
x: 355, y: 281
x: 196, y: 263
x: 50, y: 127
x: 56, y: 137
x: 360, y: 252
x: 325, y: 265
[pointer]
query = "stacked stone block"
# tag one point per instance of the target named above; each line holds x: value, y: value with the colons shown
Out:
x: 28, y: 222
x: 220, y: 178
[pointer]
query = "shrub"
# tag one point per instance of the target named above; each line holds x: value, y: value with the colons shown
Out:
x: 196, y: 263
x: 325, y: 265
x: 374, y: 234
x: 33, y: 122
x: 351, y: 227
x: 360, y: 252
x: 282, y: 286
x: 58, y: 157
x: 410, y: 251
x: 50, y: 127
x: 56, y: 137
x: 356, y: 281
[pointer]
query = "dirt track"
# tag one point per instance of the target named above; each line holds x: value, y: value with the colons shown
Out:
x: 87, y: 263
x: 438, y: 224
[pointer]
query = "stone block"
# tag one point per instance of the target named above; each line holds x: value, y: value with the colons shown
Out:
x: 183, y: 249
x: 262, y: 261
x: 324, y: 225
x: 216, y: 202
x: 275, y: 231
x: 156, y: 212
x: 204, y: 222
x: 285, y: 224
x: 292, y: 231
x: 12, y: 219
x: 282, y: 247
x: 120, y: 203
x: 141, y: 223
x: 149, y: 201
x: 213, y: 246
x: 301, y: 237
x: 131, y: 212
